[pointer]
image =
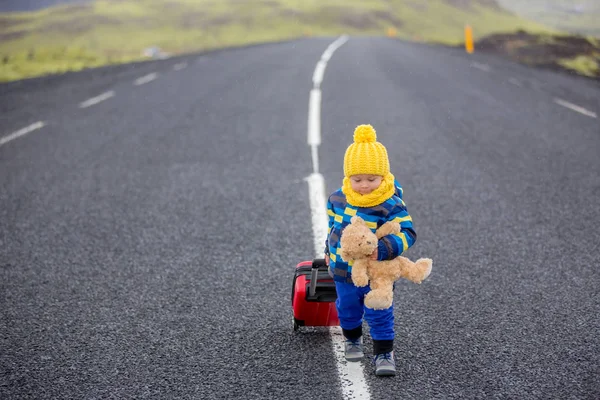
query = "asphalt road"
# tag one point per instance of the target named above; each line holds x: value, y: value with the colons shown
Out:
x: 147, y: 242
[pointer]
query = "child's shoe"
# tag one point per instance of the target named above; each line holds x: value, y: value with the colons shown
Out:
x: 385, y: 364
x: 353, y: 349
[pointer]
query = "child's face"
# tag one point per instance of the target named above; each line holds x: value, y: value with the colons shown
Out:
x: 365, y: 183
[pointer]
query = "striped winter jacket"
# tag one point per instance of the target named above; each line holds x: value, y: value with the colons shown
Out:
x: 389, y: 247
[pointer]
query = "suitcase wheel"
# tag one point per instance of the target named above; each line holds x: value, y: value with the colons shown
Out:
x: 297, y: 324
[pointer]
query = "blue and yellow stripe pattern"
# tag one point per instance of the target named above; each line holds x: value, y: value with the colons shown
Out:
x: 340, y: 212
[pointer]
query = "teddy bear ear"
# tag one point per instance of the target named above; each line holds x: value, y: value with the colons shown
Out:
x: 357, y: 220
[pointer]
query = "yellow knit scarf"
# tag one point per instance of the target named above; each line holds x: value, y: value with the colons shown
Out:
x: 377, y: 196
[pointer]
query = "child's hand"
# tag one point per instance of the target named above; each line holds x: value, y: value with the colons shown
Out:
x: 327, y: 260
x: 374, y: 255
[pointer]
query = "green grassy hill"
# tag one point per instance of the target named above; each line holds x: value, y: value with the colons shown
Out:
x: 74, y: 37
x: 576, y: 54
x: 575, y: 16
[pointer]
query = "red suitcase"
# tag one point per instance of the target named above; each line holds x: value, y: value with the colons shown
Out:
x: 313, y: 295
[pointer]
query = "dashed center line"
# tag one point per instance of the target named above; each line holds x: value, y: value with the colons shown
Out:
x: 318, y: 74
x: 515, y: 82
x: 97, y: 99
x: 21, y: 132
x: 483, y: 67
x: 559, y: 101
x: 351, y: 374
x: 180, y: 66
x: 145, y: 79
x: 575, y: 107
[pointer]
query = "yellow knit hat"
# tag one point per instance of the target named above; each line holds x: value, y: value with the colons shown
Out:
x: 366, y: 155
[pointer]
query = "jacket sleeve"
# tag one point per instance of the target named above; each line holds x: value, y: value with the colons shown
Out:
x: 392, y: 246
x: 330, y: 217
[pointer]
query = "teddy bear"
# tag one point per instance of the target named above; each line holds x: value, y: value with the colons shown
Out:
x: 358, y: 242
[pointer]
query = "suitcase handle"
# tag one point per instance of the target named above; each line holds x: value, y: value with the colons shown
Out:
x: 316, y: 264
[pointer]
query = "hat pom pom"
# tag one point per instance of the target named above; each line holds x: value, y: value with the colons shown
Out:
x: 364, y: 134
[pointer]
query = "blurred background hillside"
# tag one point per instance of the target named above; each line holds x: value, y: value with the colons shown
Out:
x: 39, y: 37
x: 574, y: 16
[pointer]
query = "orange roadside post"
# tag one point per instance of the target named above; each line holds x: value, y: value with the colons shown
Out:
x: 469, y: 47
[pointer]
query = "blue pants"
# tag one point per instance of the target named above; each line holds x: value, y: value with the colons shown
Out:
x: 351, y: 309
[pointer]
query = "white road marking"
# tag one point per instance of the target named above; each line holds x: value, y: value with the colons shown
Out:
x: 314, y: 126
x: 351, y: 374
x: 97, y: 99
x: 22, y: 132
x: 333, y: 47
x: 318, y: 209
x: 322, y: 64
x: 515, y: 82
x: 180, y: 66
x: 483, y: 67
x: 319, y: 72
x: 145, y: 79
x: 575, y: 107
